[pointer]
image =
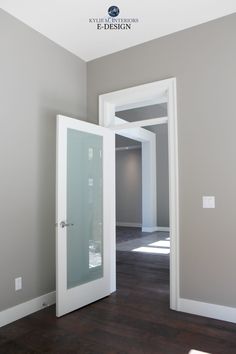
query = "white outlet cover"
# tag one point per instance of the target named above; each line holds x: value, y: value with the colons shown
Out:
x: 208, y: 202
x: 18, y: 284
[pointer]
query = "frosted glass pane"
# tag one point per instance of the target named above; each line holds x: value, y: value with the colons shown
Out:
x: 84, y: 207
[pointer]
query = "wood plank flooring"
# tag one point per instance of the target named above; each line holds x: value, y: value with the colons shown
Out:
x: 136, y: 320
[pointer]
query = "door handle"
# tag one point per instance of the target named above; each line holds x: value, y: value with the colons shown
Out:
x: 64, y: 224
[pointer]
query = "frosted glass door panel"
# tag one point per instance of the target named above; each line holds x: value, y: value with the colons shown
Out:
x: 84, y: 207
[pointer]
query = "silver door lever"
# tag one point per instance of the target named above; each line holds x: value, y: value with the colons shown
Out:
x: 64, y: 224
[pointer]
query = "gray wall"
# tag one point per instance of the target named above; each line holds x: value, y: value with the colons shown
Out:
x: 38, y: 80
x: 161, y: 132
x: 203, y: 60
x: 129, y: 186
x: 142, y: 113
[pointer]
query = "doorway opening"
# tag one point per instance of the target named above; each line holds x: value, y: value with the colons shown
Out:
x: 142, y: 203
x: 111, y: 106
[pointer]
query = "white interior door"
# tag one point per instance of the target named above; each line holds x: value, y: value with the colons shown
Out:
x: 85, y: 213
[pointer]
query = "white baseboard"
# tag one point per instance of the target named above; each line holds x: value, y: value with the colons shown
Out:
x: 163, y: 228
x: 128, y: 224
x: 155, y: 228
x: 144, y: 229
x: 217, y: 312
x: 149, y: 229
x: 199, y: 308
x: 26, y: 308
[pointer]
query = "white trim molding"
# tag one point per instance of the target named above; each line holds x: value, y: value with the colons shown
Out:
x: 26, y: 308
x: 205, y: 309
x: 156, y: 228
x: 141, y: 123
x: 138, y: 96
x: 149, y: 229
x: 144, y: 229
x: 163, y: 228
x: 128, y: 224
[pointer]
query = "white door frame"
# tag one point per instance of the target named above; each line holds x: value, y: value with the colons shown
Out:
x: 139, y: 96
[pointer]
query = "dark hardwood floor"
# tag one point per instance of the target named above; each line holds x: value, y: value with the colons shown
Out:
x: 129, y: 233
x: 136, y: 319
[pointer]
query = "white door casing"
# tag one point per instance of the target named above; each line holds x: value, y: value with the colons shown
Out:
x: 139, y: 96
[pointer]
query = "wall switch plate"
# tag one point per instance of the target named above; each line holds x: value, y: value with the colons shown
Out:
x: 18, y: 283
x: 208, y: 202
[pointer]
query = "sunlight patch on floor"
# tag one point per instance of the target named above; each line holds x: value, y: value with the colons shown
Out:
x: 193, y: 351
x: 161, y: 243
x: 152, y: 243
x: 155, y: 250
x: 157, y: 247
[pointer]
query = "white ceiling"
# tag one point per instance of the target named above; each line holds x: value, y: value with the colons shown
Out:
x: 66, y: 21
